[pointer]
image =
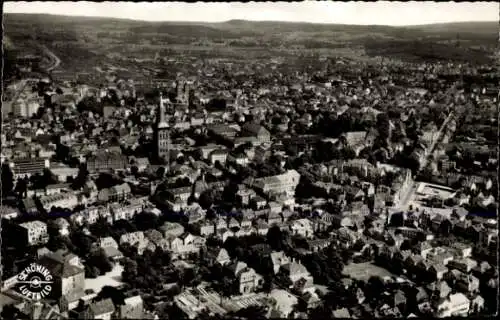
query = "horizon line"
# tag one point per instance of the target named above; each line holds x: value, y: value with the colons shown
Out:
x: 245, y: 20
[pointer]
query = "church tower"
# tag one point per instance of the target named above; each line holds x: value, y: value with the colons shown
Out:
x: 162, y: 131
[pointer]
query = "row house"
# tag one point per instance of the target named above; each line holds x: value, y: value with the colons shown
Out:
x: 62, y: 200
x: 106, y: 161
x: 137, y: 240
x: 57, y: 188
x: 127, y: 210
x: 156, y: 238
x: 26, y: 167
x: 92, y: 214
x: 116, y: 193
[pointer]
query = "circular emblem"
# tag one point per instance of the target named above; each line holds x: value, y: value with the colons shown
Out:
x: 35, y: 282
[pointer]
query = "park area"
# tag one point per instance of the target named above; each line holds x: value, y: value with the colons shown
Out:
x: 363, y: 271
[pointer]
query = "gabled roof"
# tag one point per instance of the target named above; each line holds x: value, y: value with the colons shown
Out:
x: 237, y: 267
x: 223, y: 255
x: 102, y: 307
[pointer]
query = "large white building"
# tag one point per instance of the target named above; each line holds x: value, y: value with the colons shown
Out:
x: 281, y: 184
x: 34, y: 232
x: 455, y: 305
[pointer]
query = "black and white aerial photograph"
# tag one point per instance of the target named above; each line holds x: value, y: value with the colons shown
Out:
x: 249, y: 160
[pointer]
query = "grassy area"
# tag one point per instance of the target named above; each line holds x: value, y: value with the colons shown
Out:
x: 363, y: 271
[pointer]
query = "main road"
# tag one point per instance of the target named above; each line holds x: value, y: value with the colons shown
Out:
x: 55, y: 60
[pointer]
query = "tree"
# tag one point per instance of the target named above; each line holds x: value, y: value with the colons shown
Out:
x: 82, y: 242
x: 7, y: 179
x: 251, y: 312
x: 99, y: 259
x: 22, y: 187
x: 130, y: 270
x: 208, y: 197
x: 160, y: 173
x: 91, y: 272
x: 145, y: 220
x: 134, y: 170
x: 116, y: 295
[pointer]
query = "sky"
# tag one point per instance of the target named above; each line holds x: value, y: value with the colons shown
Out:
x: 365, y: 13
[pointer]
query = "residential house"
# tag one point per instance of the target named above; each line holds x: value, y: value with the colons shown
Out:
x: 33, y: 232
x: 133, y: 308
x: 437, y: 270
x: 127, y: 210
x: 247, y: 279
x: 261, y: 227
x: 177, y: 198
x: 439, y: 289
x: 455, y: 305
x: 295, y: 271
x: 156, y: 238
x: 441, y: 255
x: 7, y: 212
x: 62, y: 226
x: 283, y: 305
x: 342, y: 313
x: 302, y: 227
x: 205, y: 228
x: 102, y: 310
x: 345, y: 237
x: 110, y: 247
x: 186, y: 245
x: 258, y: 202
x: 465, y: 265
x: 467, y: 284
x: 218, y: 155
x: 172, y: 230
x: 69, y: 277
x: 136, y: 239
x: 223, y: 257
x: 279, y: 259
x: 256, y: 131
x: 117, y: 193
x: 244, y: 195
x: 477, y: 305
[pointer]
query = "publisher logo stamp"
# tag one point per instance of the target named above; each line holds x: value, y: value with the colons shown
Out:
x: 35, y: 282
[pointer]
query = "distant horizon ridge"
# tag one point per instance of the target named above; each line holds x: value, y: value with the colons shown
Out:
x: 249, y: 21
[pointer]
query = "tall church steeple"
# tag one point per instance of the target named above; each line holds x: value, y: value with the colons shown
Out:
x: 161, y: 117
x: 162, y: 131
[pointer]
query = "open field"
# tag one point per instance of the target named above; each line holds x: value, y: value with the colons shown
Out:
x: 87, y: 40
x: 111, y: 278
x: 363, y: 271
